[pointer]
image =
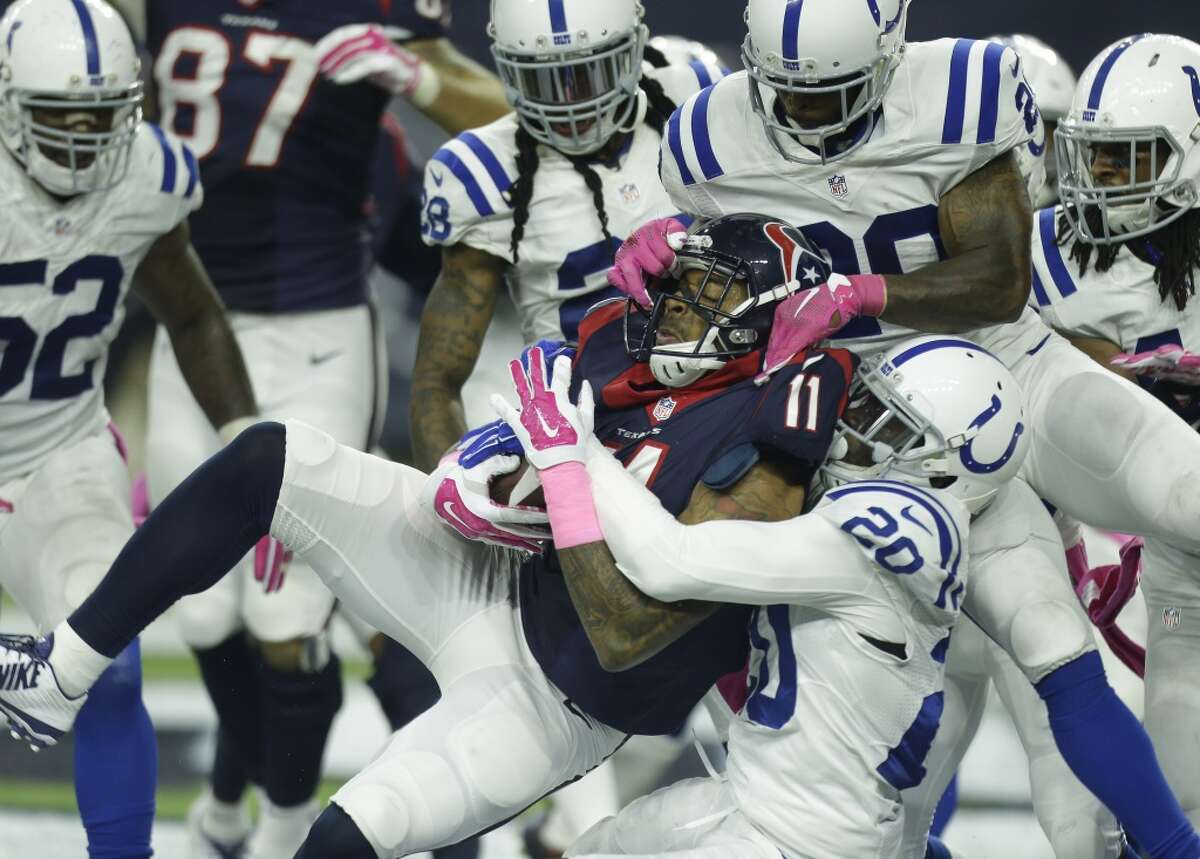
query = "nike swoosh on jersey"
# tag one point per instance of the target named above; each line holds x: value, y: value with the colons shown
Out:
x: 317, y: 360
x: 438, y: 178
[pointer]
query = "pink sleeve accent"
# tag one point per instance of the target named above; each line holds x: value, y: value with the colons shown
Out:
x: 734, y: 688
x: 573, y: 519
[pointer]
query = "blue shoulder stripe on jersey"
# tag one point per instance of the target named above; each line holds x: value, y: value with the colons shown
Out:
x: 702, y: 138
x: 169, y: 166
x: 941, y: 343
x: 905, y: 764
x: 1054, y: 259
x: 489, y: 160
x: 956, y: 95
x: 989, y: 104
x: 1106, y: 68
x: 91, y: 45
x: 193, y: 171
x: 675, y: 140
x: 464, y: 175
x: 1039, y: 290
x: 702, y: 73
x: 558, y: 16
x: 791, y: 29
x: 939, y: 650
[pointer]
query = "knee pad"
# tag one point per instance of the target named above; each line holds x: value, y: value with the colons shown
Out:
x: 1108, y: 403
x: 1046, y: 635
x: 335, y: 836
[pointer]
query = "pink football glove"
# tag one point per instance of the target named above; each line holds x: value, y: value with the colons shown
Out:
x: 139, y: 499
x: 812, y: 315
x: 360, y: 52
x: 1170, y: 362
x: 1104, y: 591
x: 271, y: 561
x: 461, y: 500
x: 649, y: 252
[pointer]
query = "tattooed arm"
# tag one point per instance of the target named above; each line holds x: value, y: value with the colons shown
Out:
x: 453, y: 325
x: 625, y: 626
x: 985, y: 223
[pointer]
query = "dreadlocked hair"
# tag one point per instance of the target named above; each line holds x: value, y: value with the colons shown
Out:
x: 1174, y: 250
x: 655, y: 57
x: 658, y: 112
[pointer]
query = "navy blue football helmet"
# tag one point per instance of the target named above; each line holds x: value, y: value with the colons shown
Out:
x: 748, y: 263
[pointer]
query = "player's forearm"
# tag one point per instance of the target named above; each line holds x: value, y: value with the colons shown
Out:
x: 436, y: 421
x: 1101, y: 351
x: 469, y: 95
x: 213, y: 367
x: 625, y: 626
x: 985, y: 229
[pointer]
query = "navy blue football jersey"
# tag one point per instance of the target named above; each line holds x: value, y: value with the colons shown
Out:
x: 671, y: 438
x: 285, y: 156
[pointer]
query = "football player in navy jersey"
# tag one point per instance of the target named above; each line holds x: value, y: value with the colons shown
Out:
x: 540, y: 682
x: 281, y: 104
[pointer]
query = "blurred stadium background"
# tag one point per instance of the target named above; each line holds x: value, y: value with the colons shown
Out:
x: 995, y: 818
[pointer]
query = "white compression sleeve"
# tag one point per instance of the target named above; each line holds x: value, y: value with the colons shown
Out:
x: 805, y: 560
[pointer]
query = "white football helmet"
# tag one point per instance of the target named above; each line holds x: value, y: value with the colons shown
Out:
x: 1053, y: 83
x: 819, y: 47
x: 571, y: 68
x: 934, y: 411
x: 680, y: 51
x: 67, y: 65
x: 1141, y: 94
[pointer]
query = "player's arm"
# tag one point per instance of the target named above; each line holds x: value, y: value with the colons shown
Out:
x: 470, y: 96
x: 624, y: 624
x: 453, y: 325
x: 175, y: 287
x: 984, y: 223
x: 1101, y: 351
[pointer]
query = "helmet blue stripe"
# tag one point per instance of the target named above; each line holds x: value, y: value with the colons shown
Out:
x: 791, y: 29
x: 558, y: 16
x: 1106, y: 68
x: 941, y: 343
x: 90, y: 45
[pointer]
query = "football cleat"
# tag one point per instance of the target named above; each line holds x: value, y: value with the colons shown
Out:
x: 37, y: 710
x: 201, y: 845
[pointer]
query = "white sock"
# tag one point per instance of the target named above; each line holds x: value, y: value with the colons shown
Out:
x: 280, y: 831
x: 226, y: 823
x: 76, y: 665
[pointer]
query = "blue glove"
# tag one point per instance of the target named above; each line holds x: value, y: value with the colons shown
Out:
x: 497, y: 438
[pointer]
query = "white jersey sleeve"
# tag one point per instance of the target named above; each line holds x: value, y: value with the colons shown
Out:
x: 162, y: 188
x: 700, y: 141
x: 467, y: 185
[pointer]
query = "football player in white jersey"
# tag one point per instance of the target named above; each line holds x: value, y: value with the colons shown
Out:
x: 1115, y: 271
x: 898, y: 160
x: 858, y: 600
x: 94, y: 199
x: 540, y: 200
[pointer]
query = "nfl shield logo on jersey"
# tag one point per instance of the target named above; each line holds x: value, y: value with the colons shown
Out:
x: 631, y: 193
x: 838, y: 186
x: 1171, y: 617
x: 663, y: 409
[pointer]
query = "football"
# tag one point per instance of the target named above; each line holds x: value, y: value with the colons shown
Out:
x: 519, y: 487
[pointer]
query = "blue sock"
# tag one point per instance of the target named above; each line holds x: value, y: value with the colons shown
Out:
x: 1109, y: 751
x: 935, y: 849
x: 116, y: 763
x: 945, y: 808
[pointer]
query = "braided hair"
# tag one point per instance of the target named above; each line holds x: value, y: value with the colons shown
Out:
x: 1173, y: 249
x: 658, y: 112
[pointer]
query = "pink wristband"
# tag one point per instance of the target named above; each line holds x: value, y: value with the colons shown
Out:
x: 573, y: 519
x: 872, y: 292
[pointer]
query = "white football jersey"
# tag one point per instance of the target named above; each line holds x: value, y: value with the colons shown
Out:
x: 953, y: 106
x: 563, y: 257
x: 64, y: 272
x: 836, y: 726
x: 1121, y: 305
